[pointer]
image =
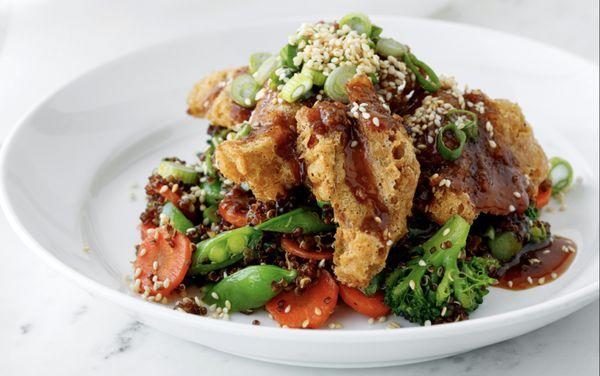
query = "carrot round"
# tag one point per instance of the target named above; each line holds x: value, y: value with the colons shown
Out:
x: 543, y: 197
x: 371, y: 306
x: 310, y: 309
x: 238, y: 218
x: 164, y: 255
x: 292, y: 247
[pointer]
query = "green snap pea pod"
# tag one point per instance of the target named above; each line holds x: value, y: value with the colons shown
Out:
x: 203, y: 269
x: 309, y: 221
x: 505, y: 246
x: 177, y: 219
x: 212, y: 189
x: 222, y: 248
x: 249, y: 288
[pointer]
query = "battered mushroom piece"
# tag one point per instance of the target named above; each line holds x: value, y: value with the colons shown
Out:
x: 365, y: 165
x: 210, y: 98
x: 266, y: 159
x: 496, y: 172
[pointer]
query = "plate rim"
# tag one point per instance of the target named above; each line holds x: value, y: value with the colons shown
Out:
x: 584, y: 295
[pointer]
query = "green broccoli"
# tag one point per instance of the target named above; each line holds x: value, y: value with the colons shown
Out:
x: 439, y: 284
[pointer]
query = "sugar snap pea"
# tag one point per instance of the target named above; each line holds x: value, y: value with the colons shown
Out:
x: 309, y: 221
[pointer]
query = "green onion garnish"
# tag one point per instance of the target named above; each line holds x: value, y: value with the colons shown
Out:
x: 244, y: 130
x: 470, y: 126
x: 390, y: 47
x: 447, y: 153
x: 186, y: 174
x: 358, y: 22
x: 335, y: 85
x: 243, y: 90
x: 561, y: 174
x: 431, y: 83
x: 256, y: 60
x: 297, y: 87
x: 375, y: 33
x: 266, y: 69
x: 318, y: 77
x: 287, y: 54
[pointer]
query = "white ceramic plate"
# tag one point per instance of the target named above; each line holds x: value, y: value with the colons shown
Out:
x: 70, y: 167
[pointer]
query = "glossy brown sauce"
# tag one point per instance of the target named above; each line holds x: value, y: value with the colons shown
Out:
x: 361, y: 181
x: 239, y: 113
x: 489, y: 176
x: 537, y: 264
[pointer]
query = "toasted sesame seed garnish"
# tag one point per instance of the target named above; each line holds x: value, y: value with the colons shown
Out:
x: 227, y: 304
x: 305, y: 323
x: 393, y: 325
x: 422, y: 263
x: 541, y: 281
x: 382, y: 319
x: 377, y: 219
x: 86, y: 248
x: 493, y: 144
x: 155, y: 265
x: 371, y: 321
x: 530, y: 280
x: 318, y: 311
x: 511, y: 208
x: 353, y: 144
x: 553, y: 275
x: 287, y: 309
x: 517, y: 194
x: 143, y: 251
x: 331, y: 326
x: 376, y: 121
x: 389, y: 243
x: 412, y: 284
x: 546, y: 251
x: 214, y: 295
x: 427, y: 323
x: 158, y: 297
x: 163, y: 189
x: 443, y: 313
x: 446, y: 232
x: 510, y: 283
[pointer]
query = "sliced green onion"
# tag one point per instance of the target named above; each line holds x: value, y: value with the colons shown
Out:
x: 447, y: 153
x: 297, y: 87
x: 243, y: 131
x: 358, y: 22
x: 470, y: 127
x: 278, y: 77
x: 175, y: 217
x: 179, y: 171
x: 505, y: 246
x: 309, y: 221
x: 335, y: 85
x: 209, y: 168
x: 266, y: 69
x: 561, y: 174
x: 287, y: 54
x: 318, y: 78
x: 431, y: 83
x: 390, y: 47
x: 256, y: 60
x: 243, y: 90
x: 375, y: 33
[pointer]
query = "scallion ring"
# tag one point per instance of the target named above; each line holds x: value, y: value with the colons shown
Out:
x: 358, y: 22
x: 256, y: 60
x: 317, y: 76
x: 287, y: 54
x: 243, y: 90
x: 266, y: 69
x: 430, y: 81
x: 244, y: 130
x: 375, y: 33
x: 447, y: 153
x: 561, y: 174
x: 390, y: 47
x: 470, y: 127
x: 335, y: 85
x: 297, y: 87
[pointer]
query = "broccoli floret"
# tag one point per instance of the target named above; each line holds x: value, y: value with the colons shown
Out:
x: 439, y: 284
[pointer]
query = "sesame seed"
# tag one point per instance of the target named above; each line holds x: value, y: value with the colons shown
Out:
x: 331, y: 326
x: 318, y: 311
x: 412, y: 284
x: 166, y: 283
x: 427, y: 323
x: 382, y: 319
x: 517, y: 194
x: 541, y: 281
x: 443, y: 313
x: 376, y: 121
x: 446, y: 232
x: 377, y: 219
x: 137, y: 272
x: 511, y: 208
x: 305, y: 323
x: 163, y: 189
x: 530, y: 280
x: 553, y: 275
x: 155, y: 265
x: 214, y: 295
x: 389, y: 243
x: 287, y: 309
x: 422, y: 263
x: 366, y: 115
x: 393, y: 325
x: 353, y: 144
x: 175, y: 188
x: 510, y: 283
x: 158, y: 297
x: 228, y: 304
x: 493, y: 144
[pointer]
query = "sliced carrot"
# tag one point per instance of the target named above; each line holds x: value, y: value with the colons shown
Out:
x: 371, y: 306
x: 144, y: 227
x: 238, y: 218
x: 166, y: 256
x: 292, y: 247
x: 310, y: 309
x: 543, y: 197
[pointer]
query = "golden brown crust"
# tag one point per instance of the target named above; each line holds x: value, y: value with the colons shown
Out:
x: 211, y: 99
x: 513, y: 131
x: 265, y: 160
x: 359, y: 253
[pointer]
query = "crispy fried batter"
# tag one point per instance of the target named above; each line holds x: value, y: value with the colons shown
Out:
x: 265, y: 160
x: 513, y: 131
x: 210, y: 98
x: 366, y: 223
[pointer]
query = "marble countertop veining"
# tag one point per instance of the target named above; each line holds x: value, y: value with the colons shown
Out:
x: 48, y: 325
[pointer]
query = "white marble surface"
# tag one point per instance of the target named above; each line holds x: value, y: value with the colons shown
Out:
x: 48, y: 325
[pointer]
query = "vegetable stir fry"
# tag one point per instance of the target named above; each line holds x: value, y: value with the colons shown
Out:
x: 342, y: 169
